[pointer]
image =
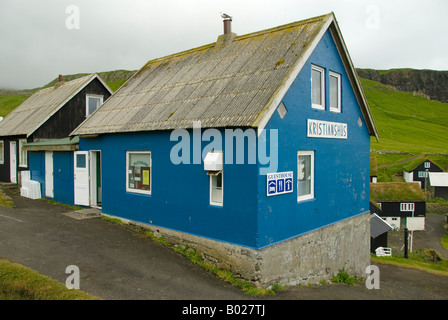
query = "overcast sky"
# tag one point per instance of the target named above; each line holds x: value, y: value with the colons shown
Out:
x: 40, y: 39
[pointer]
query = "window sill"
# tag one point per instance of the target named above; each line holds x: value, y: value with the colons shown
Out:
x: 148, y: 193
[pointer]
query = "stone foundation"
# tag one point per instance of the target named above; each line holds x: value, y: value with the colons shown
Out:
x: 309, y: 258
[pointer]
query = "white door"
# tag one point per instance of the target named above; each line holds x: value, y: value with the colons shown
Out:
x: 95, y: 178
x: 82, y: 190
x: 49, y: 174
x: 13, y: 161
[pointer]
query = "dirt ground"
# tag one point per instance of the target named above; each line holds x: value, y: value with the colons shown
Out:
x: 116, y: 264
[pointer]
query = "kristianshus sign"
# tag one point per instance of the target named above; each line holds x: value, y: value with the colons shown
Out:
x: 325, y: 129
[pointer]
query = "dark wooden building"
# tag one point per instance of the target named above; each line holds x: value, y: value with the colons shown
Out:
x: 50, y: 113
x: 420, y: 173
x: 402, y: 204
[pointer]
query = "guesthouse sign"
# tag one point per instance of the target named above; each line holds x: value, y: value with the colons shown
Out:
x: 279, y: 183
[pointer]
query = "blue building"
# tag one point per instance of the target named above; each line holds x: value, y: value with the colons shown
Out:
x: 254, y: 150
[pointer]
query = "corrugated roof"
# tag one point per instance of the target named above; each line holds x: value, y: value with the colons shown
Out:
x: 378, y: 226
x: 33, y: 112
x: 232, y: 82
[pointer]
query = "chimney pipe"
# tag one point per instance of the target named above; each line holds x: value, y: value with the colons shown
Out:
x: 227, y: 25
x: 60, y: 78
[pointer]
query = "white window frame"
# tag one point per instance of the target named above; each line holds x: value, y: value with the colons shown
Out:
x: 132, y: 190
x: 407, y: 207
x: 427, y: 165
x: 87, y: 102
x: 311, y: 194
x: 322, y: 87
x: 2, y: 152
x: 422, y: 174
x: 23, y: 155
x: 338, y: 77
x: 217, y: 203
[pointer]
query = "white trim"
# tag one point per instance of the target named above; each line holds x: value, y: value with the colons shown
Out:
x: 338, y: 77
x: 93, y: 172
x: 13, y: 161
x: 214, y: 203
x: 311, y: 194
x: 99, y: 96
x: 322, y: 87
x: 407, y: 207
x: 23, y: 161
x: 132, y: 190
x: 278, y: 95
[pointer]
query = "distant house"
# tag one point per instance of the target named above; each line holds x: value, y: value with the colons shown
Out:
x: 420, y: 172
x: 438, y: 185
x: 402, y: 204
x: 33, y: 134
x: 184, y: 145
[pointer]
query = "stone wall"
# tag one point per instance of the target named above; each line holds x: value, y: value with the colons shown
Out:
x: 436, y: 207
x: 309, y: 258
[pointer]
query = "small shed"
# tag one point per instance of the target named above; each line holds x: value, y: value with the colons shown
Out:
x: 403, y: 204
x: 378, y: 232
x: 438, y: 184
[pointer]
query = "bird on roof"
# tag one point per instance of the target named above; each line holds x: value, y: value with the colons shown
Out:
x: 225, y: 15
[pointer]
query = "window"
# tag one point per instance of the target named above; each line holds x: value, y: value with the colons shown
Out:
x: 2, y: 152
x: 305, y: 175
x: 92, y: 103
x: 422, y: 174
x: 317, y: 87
x: 427, y: 165
x: 406, y: 206
x: 23, y: 155
x: 335, y: 92
x: 216, y: 187
x: 81, y: 161
x: 138, y: 177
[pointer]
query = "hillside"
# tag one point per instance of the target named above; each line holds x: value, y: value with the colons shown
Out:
x: 406, y: 122
x: 427, y: 83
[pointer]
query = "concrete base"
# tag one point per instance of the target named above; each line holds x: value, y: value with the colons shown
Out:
x: 310, y: 258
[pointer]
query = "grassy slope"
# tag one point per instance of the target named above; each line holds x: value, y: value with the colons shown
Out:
x: 405, y: 122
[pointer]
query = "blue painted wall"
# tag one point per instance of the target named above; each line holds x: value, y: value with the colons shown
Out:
x: 179, y: 197
x: 341, y: 166
x: 36, y: 164
x: 63, y: 179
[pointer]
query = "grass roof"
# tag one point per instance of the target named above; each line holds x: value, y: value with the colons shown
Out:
x: 396, y: 191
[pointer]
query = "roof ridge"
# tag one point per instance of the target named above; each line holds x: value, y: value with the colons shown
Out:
x: 237, y: 38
